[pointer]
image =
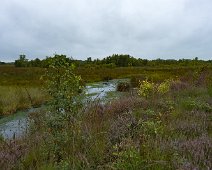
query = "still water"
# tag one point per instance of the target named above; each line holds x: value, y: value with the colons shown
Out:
x: 16, y: 125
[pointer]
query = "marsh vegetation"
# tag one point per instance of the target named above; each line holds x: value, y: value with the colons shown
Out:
x: 162, y: 120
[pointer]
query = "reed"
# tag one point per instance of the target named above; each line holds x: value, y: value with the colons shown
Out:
x: 13, y: 98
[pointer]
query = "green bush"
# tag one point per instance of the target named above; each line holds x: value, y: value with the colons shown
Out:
x: 149, y: 89
x: 193, y: 104
x: 128, y: 158
x: 164, y: 87
x: 146, y: 88
x: 64, y: 108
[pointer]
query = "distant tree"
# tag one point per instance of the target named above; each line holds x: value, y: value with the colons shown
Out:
x: 35, y: 63
x: 89, y: 60
x: 22, y: 61
x: 46, y: 62
x: 2, y: 63
x: 120, y: 60
x: 145, y: 62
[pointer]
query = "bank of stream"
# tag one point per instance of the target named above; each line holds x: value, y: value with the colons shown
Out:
x: 15, y: 126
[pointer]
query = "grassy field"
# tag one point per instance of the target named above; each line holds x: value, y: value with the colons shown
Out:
x: 31, y: 76
x: 20, y: 88
x: 167, y: 126
x: 12, y: 76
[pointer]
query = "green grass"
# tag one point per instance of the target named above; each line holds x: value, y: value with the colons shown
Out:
x: 10, y: 76
x: 13, y: 82
x: 31, y: 76
x: 14, y: 98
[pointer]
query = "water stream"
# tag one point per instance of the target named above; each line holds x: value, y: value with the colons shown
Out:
x: 16, y: 125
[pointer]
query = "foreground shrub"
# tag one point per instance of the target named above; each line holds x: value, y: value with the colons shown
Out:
x: 61, y: 123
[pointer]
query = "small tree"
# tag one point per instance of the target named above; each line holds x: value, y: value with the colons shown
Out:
x: 63, y: 86
x: 22, y: 61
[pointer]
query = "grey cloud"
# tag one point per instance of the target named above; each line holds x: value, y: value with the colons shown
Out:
x: 97, y: 28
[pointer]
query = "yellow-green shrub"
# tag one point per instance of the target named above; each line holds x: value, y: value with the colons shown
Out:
x: 164, y: 87
x: 146, y: 88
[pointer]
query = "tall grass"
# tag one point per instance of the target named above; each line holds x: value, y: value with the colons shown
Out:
x: 30, y: 76
x: 13, y: 98
x: 10, y: 76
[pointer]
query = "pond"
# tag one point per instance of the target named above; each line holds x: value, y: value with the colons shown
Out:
x: 15, y: 126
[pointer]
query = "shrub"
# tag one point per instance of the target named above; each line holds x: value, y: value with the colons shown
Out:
x: 191, y: 104
x: 123, y: 87
x: 146, y: 88
x: 164, y: 87
x: 128, y: 159
x: 61, y: 122
x: 152, y: 127
x: 63, y: 86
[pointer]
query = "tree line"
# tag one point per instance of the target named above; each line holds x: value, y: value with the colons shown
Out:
x: 116, y: 60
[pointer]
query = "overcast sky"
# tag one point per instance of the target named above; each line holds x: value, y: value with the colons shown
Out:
x: 168, y: 29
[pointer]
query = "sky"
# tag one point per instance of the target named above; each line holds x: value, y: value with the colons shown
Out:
x: 150, y: 29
